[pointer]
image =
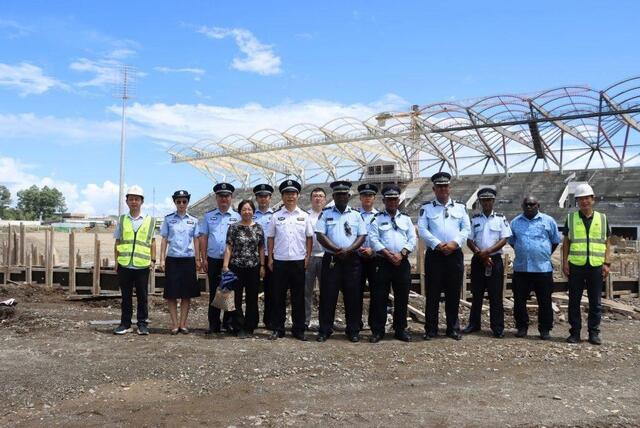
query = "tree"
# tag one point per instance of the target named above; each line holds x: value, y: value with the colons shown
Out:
x: 5, y: 199
x: 40, y: 203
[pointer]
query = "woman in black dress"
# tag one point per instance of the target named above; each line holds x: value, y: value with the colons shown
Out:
x: 244, y: 256
x: 179, y: 259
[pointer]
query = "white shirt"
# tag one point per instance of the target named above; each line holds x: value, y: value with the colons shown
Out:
x: 486, y: 231
x: 290, y: 230
x: 317, y: 250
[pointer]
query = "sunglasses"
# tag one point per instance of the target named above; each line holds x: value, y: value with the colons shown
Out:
x: 181, y: 202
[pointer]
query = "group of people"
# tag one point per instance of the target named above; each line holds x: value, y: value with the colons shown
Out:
x: 346, y: 249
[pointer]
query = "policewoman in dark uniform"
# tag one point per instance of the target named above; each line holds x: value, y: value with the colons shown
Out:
x: 213, y: 242
x: 585, y: 255
x: 444, y: 225
x: 393, y: 238
x: 489, y: 233
x: 341, y: 231
x: 262, y: 216
x: 180, y: 259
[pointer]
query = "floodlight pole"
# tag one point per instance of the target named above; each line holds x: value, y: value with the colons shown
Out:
x: 123, y: 135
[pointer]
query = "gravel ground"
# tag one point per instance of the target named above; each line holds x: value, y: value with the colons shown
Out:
x: 59, y: 369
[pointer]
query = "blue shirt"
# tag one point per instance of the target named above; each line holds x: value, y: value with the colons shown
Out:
x: 532, y: 241
x: 367, y: 216
x: 180, y: 232
x: 263, y: 219
x: 342, y: 228
x: 392, y: 233
x: 443, y: 223
x: 215, y: 224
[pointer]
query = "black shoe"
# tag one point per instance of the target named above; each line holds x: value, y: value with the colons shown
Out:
x: 274, y: 335
x: 574, y: 338
x: 455, y: 335
x: 213, y: 330
x: 121, y: 329
x: 544, y: 335
x: 375, y: 338
x: 428, y: 336
x: 300, y: 336
x: 242, y: 334
x: 470, y: 329
x: 321, y: 338
x: 354, y: 338
x: 522, y: 332
x: 498, y: 334
x: 594, y: 339
x: 143, y: 330
x: 402, y: 336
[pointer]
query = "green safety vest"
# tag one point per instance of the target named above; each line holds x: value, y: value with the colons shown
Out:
x: 135, y: 247
x: 592, y: 246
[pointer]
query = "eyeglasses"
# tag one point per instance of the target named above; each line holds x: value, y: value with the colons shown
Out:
x: 181, y: 202
x: 347, y: 229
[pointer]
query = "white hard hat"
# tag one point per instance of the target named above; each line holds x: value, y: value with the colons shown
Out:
x: 135, y: 190
x: 583, y: 189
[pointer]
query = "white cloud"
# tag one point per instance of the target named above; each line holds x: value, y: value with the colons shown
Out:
x: 68, y: 130
x: 259, y: 58
x: 105, y: 72
x: 27, y: 79
x: 121, y: 53
x: 196, y: 72
x: 186, y: 123
x: 13, y: 30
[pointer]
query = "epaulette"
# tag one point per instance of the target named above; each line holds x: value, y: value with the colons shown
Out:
x: 169, y: 214
x: 499, y: 215
x: 210, y: 211
x: 459, y: 202
x: 476, y: 215
x: 378, y: 213
x: 403, y: 213
x: 328, y: 208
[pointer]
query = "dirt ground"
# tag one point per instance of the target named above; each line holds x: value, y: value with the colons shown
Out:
x: 59, y: 369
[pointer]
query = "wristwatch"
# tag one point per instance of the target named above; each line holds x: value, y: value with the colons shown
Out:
x: 404, y: 252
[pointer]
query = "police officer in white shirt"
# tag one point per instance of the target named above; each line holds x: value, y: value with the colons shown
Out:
x: 489, y: 233
x: 289, y: 240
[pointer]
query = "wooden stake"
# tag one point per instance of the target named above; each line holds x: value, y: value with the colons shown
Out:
x: 28, y: 273
x: 51, y: 256
x: 23, y: 250
x: 78, y: 259
x: 9, y: 247
x: 72, y: 263
x: 95, y: 290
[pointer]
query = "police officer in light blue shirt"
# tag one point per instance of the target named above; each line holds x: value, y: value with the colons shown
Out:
x: 535, y: 237
x: 393, y: 238
x: 180, y: 231
x: 444, y: 225
x: 367, y: 210
x: 263, y: 216
x: 341, y: 231
x: 213, y: 237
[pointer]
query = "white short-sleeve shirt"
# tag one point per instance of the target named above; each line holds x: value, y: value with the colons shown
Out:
x: 290, y: 230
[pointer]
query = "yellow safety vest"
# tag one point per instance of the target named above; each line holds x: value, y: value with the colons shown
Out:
x: 135, y: 246
x: 594, y: 245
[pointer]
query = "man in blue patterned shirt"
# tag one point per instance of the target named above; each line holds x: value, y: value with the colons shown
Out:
x: 535, y: 237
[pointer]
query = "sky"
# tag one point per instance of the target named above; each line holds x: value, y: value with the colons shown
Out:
x: 207, y: 69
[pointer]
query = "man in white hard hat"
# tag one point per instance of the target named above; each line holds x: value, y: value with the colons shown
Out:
x: 585, y: 257
x: 135, y: 253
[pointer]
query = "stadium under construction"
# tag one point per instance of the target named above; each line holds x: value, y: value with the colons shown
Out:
x: 543, y: 143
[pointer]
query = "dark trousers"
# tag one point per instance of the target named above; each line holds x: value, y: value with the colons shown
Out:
x: 493, y: 285
x: 288, y: 275
x: 389, y: 276
x: 248, y: 281
x: 340, y: 275
x: 542, y: 284
x: 268, y: 298
x: 128, y: 280
x: 214, y: 272
x: 367, y: 277
x: 443, y: 273
x: 581, y: 277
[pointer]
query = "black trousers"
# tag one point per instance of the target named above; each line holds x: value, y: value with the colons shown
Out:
x: 581, y: 277
x: 268, y: 298
x: 214, y: 272
x: 443, y: 273
x: 128, y: 280
x: 542, y: 284
x: 389, y: 276
x: 288, y: 275
x: 340, y: 275
x: 247, y: 283
x: 493, y: 285
x: 367, y: 278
